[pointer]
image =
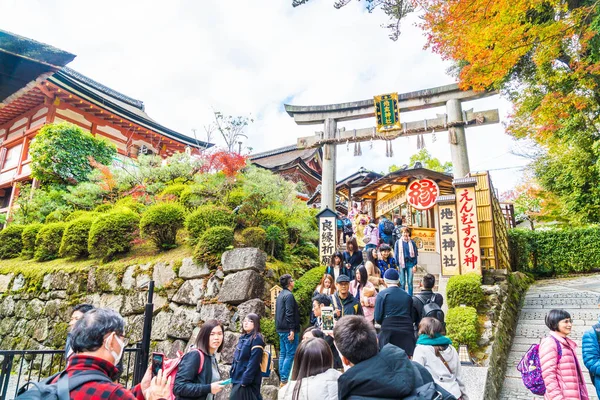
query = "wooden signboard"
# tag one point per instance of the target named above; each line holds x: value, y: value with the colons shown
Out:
x: 388, y: 203
x: 386, y: 112
x: 449, y: 252
x: 327, y: 234
x: 424, y: 239
x: 468, y: 230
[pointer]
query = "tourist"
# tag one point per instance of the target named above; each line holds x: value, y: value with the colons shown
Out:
x: 336, y: 266
x: 434, y: 351
x: 386, y: 260
x: 339, y: 223
x: 314, y: 332
x: 373, y: 270
x: 374, y: 374
x: 245, y: 374
x: 313, y: 377
x: 191, y: 385
x: 98, y: 342
x: 76, y: 315
x: 326, y: 286
x: 371, y: 236
x: 562, y: 375
x: 319, y: 301
x: 360, y: 223
x: 406, y: 252
x: 360, y: 282
x: 393, y: 310
x: 354, y: 211
x: 344, y: 303
x: 386, y: 230
x: 347, y: 229
x: 287, y: 325
x: 426, y: 296
x: 397, y: 235
x: 353, y: 257
x: 590, y: 348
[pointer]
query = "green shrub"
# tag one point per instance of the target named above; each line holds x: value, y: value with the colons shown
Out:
x: 205, y: 217
x: 80, y: 214
x: 267, y: 328
x: 235, y: 198
x: 104, y: 208
x: 59, y: 215
x: 132, y: 204
x: 11, y: 243
x: 462, y: 326
x: 161, y: 222
x: 112, y: 234
x: 194, y: 196
x: 74, y: 242
x: 270, y: 216
x: 174, y: 190
x: 464, y: 289
x: 212, y: 244
x: 276, y: 239
x: 254, y: 237
x: 28, y: 239
x: 304, y: 289
x: 48, y: 241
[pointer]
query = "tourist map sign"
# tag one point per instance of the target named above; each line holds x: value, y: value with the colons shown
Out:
x: 449, y: 245
x: 468, y: 230
x: 422, y: 194
x: 386, y: 112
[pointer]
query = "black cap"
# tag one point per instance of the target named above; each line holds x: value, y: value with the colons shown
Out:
x: 342, y: 278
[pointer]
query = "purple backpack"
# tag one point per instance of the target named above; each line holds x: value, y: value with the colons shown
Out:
x: 531, y: 371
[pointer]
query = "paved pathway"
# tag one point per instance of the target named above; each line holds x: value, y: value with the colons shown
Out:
x: 579, y: 296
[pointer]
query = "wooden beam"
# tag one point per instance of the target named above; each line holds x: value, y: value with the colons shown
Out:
x: 413, y: 128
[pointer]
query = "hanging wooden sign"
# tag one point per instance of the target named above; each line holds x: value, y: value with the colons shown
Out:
x: 422, y: 194
x: 449, y: 252
x: 386, y: 112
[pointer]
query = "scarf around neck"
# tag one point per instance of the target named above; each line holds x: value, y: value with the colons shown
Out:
x: 400, y: 255
x: 438, y: 340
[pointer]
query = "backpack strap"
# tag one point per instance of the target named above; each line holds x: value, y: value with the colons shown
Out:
x: 438, y: 355
x: 257, y: 347
x: 558, y: 347
x: 201, y: 360
x: 66, y: 384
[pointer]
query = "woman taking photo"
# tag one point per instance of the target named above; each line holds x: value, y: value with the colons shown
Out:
x: 434, y: 351
x: 313, y: 376
x: 353, y: 257
x: 562, y: 374
x: 336, y: 266
x: 199, y: 382
x: 245, y: 372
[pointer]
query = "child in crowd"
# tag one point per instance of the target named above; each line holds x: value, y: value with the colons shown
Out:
x: 386, y: 261
x: 367, y: 300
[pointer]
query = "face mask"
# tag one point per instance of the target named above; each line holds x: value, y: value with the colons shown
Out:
x: 116, y: 356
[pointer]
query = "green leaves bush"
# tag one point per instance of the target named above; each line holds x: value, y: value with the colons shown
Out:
x: 11, y: 243
x: 462, y: 326
x: 74, y: 242
x: 254, y: 237
x: 205, y: 217
x: 59, y: 215
x: 556, y: 251
x: 304, y: 289
x: 81, y: 213
x: 112, y: 234
x: 28, y: 238
x: 161, y: 222
x: 212, y: 244
x: 47, y: 243
x: 267, y: 328
x: 464, y: 289
x: 174, y: 190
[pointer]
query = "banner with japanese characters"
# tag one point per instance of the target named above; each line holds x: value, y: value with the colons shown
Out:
x: 422, y: 194
x: 468, y: 230
x: 449, y: 240
x: 327, y: 232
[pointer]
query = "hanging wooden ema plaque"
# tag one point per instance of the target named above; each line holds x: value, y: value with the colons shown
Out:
x: 386, y: 112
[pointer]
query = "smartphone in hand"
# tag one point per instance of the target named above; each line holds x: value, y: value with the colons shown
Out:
x: 225, y: 382
x: 157, y: 362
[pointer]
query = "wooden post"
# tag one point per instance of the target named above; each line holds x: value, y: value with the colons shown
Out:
x: 458, y: 140
x: 329, y: 159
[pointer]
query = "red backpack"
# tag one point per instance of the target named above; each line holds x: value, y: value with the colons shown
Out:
x: 171, y: 365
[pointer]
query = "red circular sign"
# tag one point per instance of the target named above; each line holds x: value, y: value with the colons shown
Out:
x: 422, y: 194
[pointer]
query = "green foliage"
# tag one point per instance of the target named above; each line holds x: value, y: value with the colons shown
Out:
x: 462, y: 326
x: 161, y: 222
x: 275, y: 241
x: 34, y: 205
x: 432, y: 163
x: 104, y: 208
x: 205, y: 217
x: 267, y: 328
x: 10, y: 241
x: 81, y: 213
x: 254, y: 237
x: 85, y: 195
x: 555, y: 251
x: 61, y: 154
x: 47, y: 243
x: 59, y: 215
x: 235, y: 198
x: 174, y: 190
x: 112, y: 234
x: 271, y: 216
x: 304, y: 289
x: 132, y: 204
x: 213, y: 242
x: 464, y: 289
x: 74, y: 242
x: 28, y: 238
x: 2, y: 218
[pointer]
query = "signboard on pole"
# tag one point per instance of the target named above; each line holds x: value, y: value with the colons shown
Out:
x: 386, y: 112
x: 468, y: 230
x: 449, y: 245
x: 327, y: 234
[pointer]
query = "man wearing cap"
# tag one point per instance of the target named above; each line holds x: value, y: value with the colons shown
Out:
x: 394, y: 311
x: 344, y: 303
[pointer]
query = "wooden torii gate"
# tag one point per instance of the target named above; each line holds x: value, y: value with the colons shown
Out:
x: 455, y: 120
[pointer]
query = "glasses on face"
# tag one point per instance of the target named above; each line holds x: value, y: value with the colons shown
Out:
x: 567, y: 321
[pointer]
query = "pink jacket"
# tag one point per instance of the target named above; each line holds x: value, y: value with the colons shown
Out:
x: 373, y: 231
x: 563, y: 379
x: 369, y: 310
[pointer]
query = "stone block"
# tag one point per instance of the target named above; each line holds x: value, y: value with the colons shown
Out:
x: 134, y: 303
x: 106, y: 280
x: 163, y: 274
x: 242, y: 286
x: 51, y: 310
x: 58, y: 294
x: 190, y: 292
x: 91, y: 281
x: 7, y: 306
x: 182, y: 323
x: 217, y: 311
x: 269, y: 392
x: 226, y: 392
x: 5, y: 282
x: 112, y: 301
x: 160, y: 325
x: 128, y: 281
x: 230, y: 340
x: 134, y: 328
x: 40, y: 330
x: 256, y: 306
x: 6, y: 325
x: 20, y: 308
x: 242, y: 259
x: 18, y: 283
x: 192, y: 341
x: 56, y: 281
x: 212, y: 287
x: 159, y: 302
x: 176, y: 346
x: 190, y: 270
x: 34, y: 309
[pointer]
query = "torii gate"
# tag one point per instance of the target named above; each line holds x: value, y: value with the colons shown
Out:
x: 455, y: 120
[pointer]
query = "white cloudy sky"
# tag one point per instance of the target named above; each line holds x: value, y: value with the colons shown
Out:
x: 186, y: 58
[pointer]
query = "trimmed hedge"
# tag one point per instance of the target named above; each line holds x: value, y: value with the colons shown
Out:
x: 74, y: 242
x: 129, y: 202
x: 174, y: 190
x: 205, y: 217
x: 11, y: 243
x: 556, y: 251
x: 80, y: 214
x: 28, y: 239
x: 112, y: 234
x: 254, y: 237
x: 161, y: 222
x: 267, y: 328
x: 47, y: 242
x: 59, y: 215
x: 103, y: 208
x: 212, y: 244
x: 303, y: 292
x: 462, y: 326
x: 464, y: 289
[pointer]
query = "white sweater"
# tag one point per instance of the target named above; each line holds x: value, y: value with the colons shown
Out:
x: 319, y: 387
x: 452, y: 382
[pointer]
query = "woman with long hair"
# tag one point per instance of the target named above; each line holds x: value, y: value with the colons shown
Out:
x: 198, y: 376
x: 353, y: 257
x: 434, y: 351
x: 357, y: 288
x: 336, y: 266
x: 313, y: 377
x: 326, y: 286
x: 245, y: 372
x: 373, y: 270
x: 371, y: 235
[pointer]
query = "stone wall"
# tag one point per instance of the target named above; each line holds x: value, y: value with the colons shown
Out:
x: 34, y: 314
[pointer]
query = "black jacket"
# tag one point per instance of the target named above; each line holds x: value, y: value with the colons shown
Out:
x: 287, y: 315
x: 188, y: 383
x: 388, y: 375
x: 349, y: 306
x: 355, y: 260
x: 426, y: 295
x: 246, y: 361
x: 394, y: 302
